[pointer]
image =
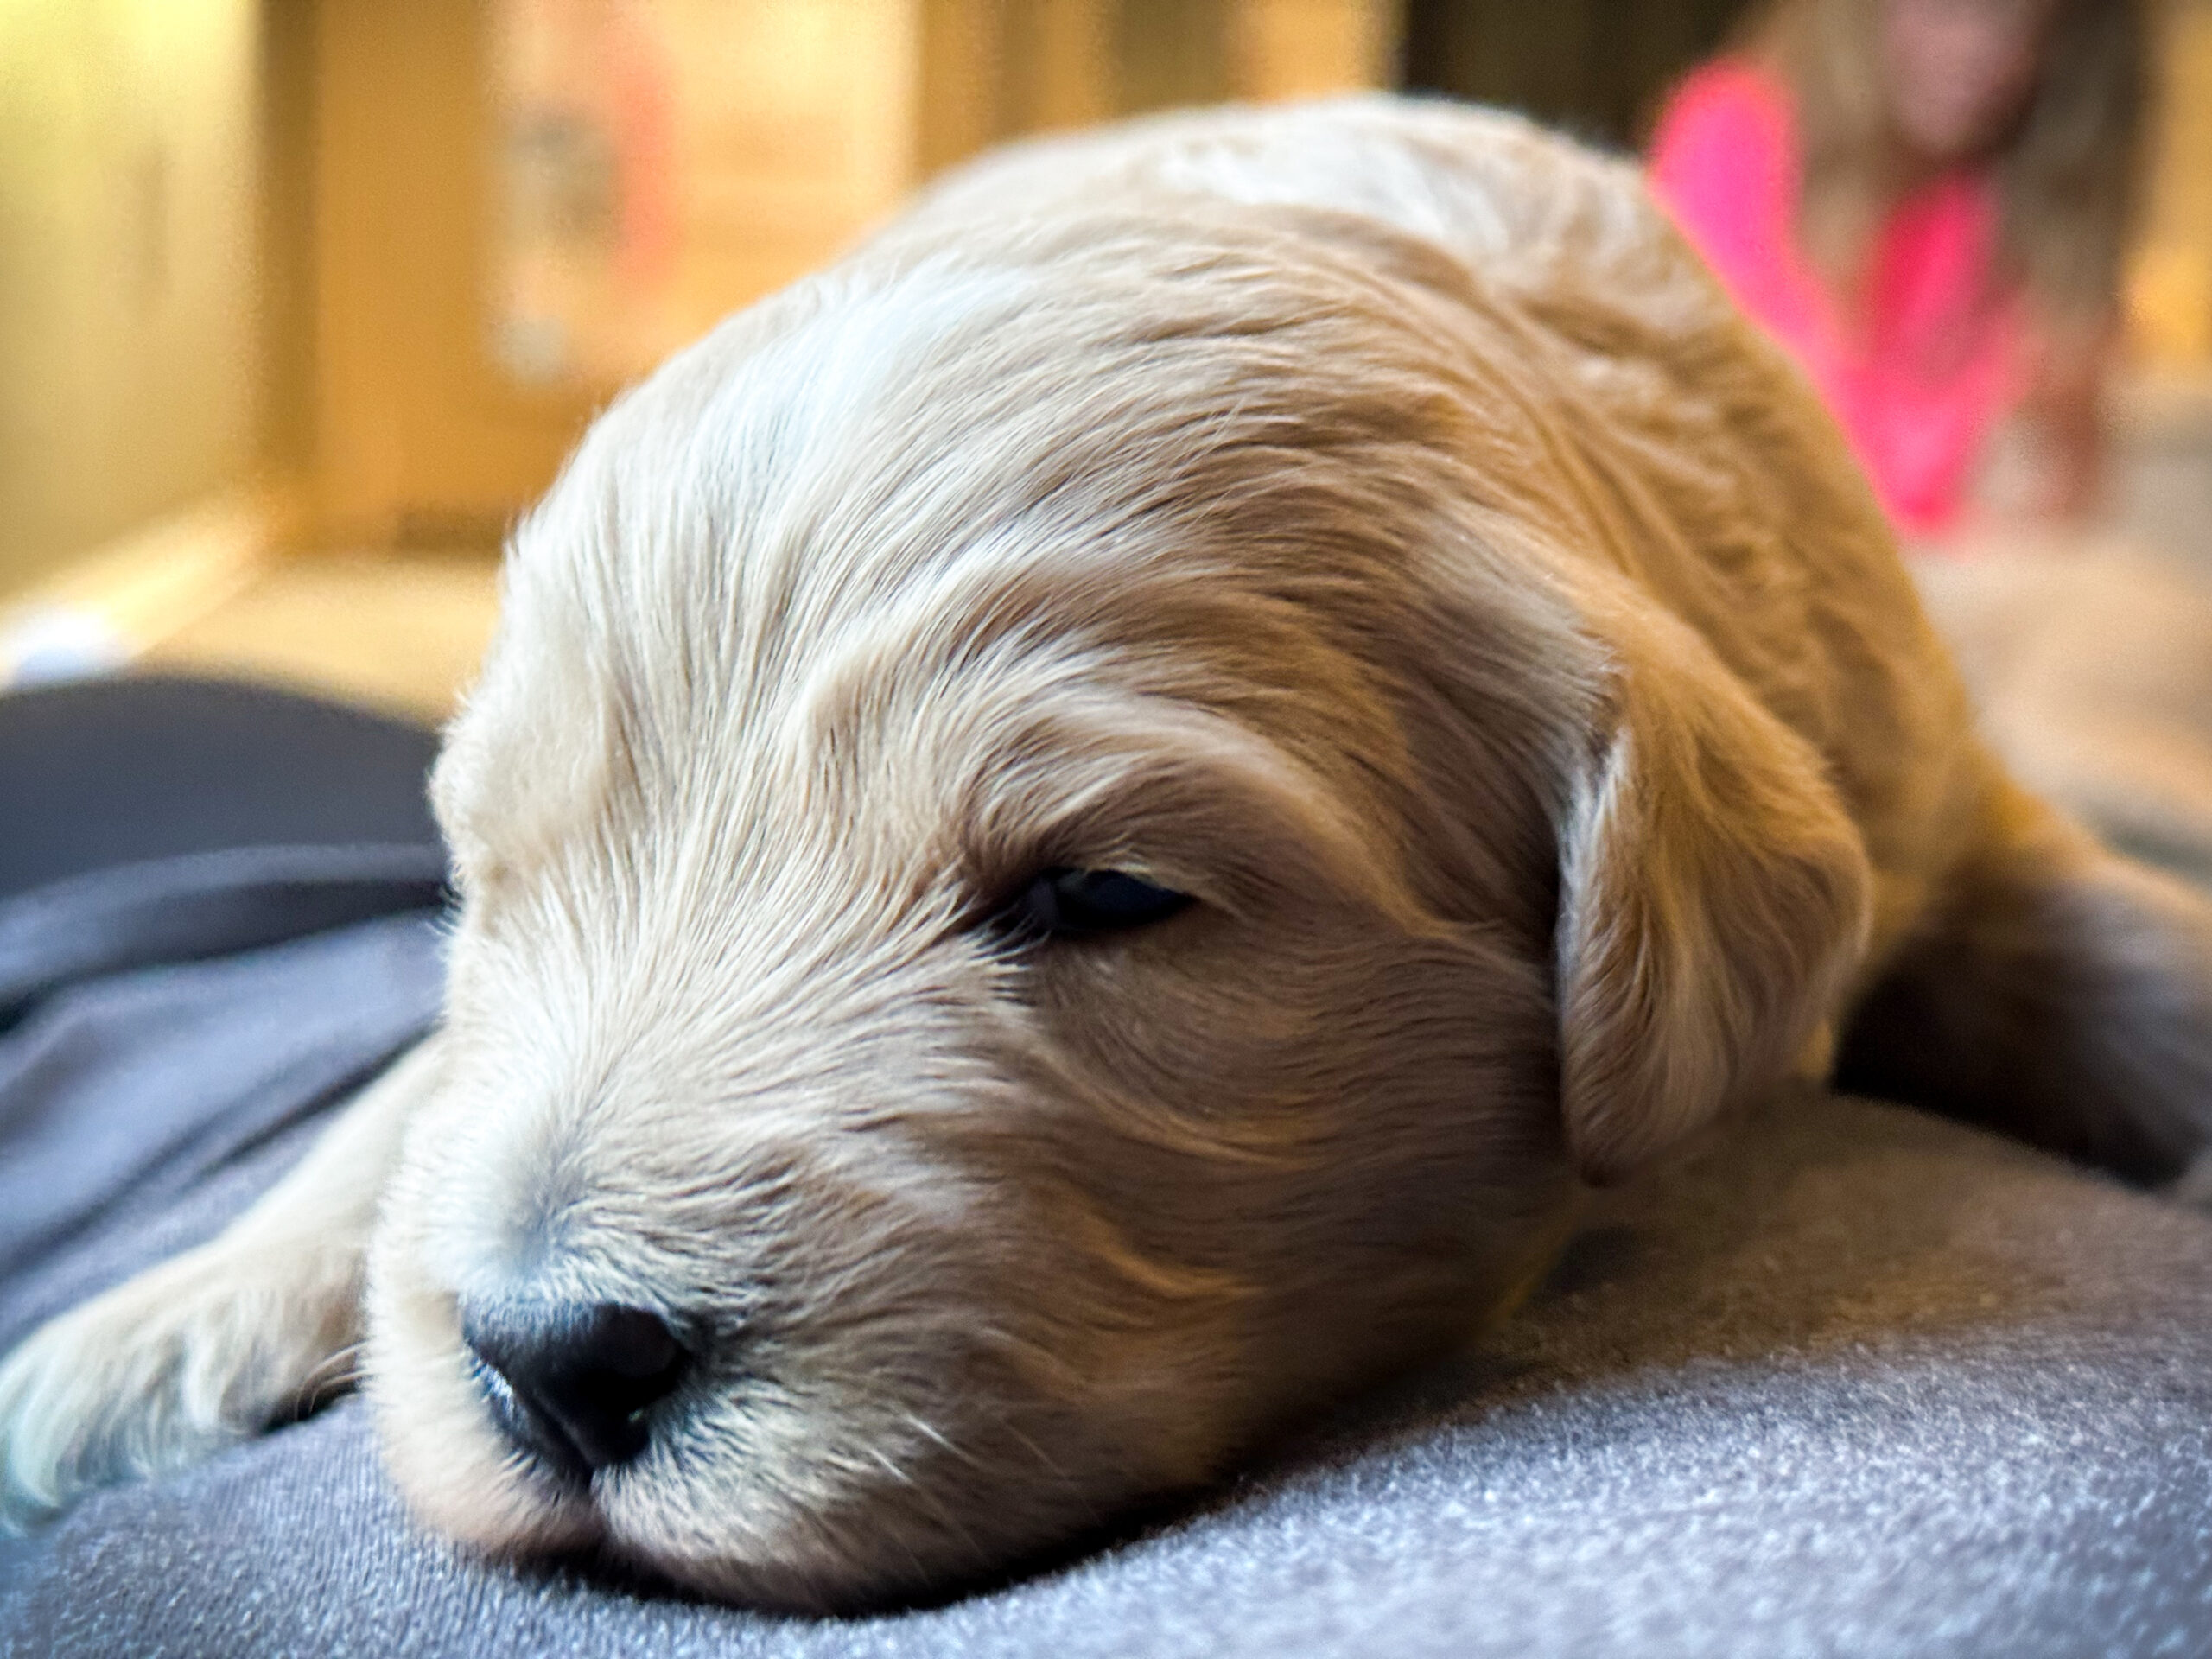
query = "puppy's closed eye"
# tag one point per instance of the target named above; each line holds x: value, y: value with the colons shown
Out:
x: 1063, y: 903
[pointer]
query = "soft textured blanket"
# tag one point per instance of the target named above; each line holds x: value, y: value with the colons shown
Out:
x: 1853, y: 1382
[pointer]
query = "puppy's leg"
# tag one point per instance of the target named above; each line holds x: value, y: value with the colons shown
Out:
x: 213, y: 1346
x: 2060, y: 993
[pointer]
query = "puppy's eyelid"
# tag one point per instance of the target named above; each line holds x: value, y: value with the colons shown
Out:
x: 1065, y: 902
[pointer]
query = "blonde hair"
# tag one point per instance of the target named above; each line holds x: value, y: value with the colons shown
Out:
x: 2069, y: 172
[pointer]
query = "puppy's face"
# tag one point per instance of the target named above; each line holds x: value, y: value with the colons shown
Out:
x: 1010, y: 896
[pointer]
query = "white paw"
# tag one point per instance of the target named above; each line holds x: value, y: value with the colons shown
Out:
x: 165, y: 1371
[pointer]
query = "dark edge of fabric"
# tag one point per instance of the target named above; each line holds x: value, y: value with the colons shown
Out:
x: 200, y: 905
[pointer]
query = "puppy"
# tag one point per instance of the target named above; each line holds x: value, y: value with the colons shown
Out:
x: 1079, y: 832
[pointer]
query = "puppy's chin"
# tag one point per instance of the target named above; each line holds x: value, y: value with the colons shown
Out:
x: 697, y: 1517
x: 458, y: 1475
x: 866, y: 1554
x: 791, y: 1505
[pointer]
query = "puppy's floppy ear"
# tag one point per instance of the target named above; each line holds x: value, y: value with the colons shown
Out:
x: 1713, y: 896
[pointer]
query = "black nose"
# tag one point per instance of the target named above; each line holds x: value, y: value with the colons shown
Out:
x: 571, y: 1382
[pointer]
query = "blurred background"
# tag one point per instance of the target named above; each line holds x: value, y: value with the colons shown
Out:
x: 302, y: 300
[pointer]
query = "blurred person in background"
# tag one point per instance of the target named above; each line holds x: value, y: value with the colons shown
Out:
x: 1927, y: 202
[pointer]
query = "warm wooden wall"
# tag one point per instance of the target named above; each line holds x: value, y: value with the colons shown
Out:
x: 2172, y: 278
x: 418, y: 435
x: 453, y: 367
x: 998, y: 69
x: 130, y: 280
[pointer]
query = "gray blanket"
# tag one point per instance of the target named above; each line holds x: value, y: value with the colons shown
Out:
x: 1852, y: 1381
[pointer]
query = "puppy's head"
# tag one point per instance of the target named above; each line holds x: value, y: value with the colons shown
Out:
x: 1025, y: 843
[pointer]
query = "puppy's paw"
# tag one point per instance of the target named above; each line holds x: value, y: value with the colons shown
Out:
x: 167, y: 1370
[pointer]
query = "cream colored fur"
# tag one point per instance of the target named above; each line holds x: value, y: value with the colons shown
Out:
x: 1366, y: 519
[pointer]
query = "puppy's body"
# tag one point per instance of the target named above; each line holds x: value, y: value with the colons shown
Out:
x: 1365, y: 521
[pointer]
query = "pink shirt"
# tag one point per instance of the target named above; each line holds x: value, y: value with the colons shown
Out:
x: 1919, y: 380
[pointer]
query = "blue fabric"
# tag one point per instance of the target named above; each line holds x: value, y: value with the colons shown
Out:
x: 105, y: 772
x: 156, y: 1073
x: 202, y: 906
x: 136, y: 1112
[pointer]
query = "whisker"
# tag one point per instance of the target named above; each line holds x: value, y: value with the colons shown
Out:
x: 336, y: 1371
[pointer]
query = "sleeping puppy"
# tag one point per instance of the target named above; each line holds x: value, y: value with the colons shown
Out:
x: 1080, y: 833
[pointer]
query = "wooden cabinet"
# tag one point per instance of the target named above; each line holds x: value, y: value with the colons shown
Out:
x: 521, y: 205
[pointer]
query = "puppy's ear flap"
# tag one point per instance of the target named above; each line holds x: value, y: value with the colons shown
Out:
x: 1713, y: 897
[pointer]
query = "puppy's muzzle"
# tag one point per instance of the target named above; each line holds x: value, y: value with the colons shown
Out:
x: 573, y: 1384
